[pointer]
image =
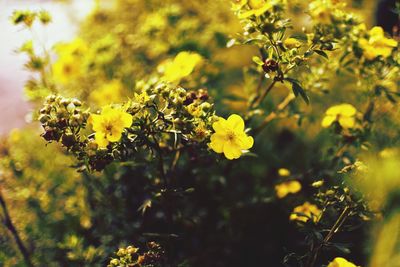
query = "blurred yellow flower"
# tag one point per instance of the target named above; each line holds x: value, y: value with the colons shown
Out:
x: 283, y: 172
x: 341, y: 262
x: 66, y: 69
x: 309, y: 210
x: 289, y: 187
x: 77, y: 47
x: 109, y: 125
x: 322, y: 10
x: 291, y: 43
x: 257, y: 8
x: 377, y: 44
x: 182, y: 66
x: 344, y: 114
x: 107, y: 93
x: 230, y: 138
x: 69, y: 63
x: 238, y: 4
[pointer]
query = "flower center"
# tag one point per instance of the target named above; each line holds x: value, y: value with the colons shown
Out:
x: 230, y: 136
x: 108, y: 128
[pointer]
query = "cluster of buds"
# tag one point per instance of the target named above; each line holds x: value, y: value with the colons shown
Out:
x: 62, y: 119
x: 131, y: 257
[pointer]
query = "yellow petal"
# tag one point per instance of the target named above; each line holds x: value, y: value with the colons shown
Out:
x: 245, y: 142
x: 236, y: 122
x: 347, y: 122
x: 96, y: 122
x: 114, y: 136
x: 219, y: 125
x: 376, y: 31
x: 217, y: 142
x: 341, y: 262
x: 294, y: 187
x: 327, y: 121
x: 126, y: 119
x: 100, y: 139
x: 347, y: 110
x: 231, y: 151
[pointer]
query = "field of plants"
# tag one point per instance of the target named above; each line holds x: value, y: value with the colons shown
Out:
x: 212, y: 133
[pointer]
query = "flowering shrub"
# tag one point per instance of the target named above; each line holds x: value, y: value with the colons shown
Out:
x: 208, y: 133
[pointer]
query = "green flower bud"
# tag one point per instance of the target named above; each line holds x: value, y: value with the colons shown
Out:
x: 65, y: 102
x: 44, y: 118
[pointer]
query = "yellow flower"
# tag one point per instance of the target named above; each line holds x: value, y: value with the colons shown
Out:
x: 230, y: 138
x: 290, y: 187
x: 341, y: 262
x: 182, y: 66
x: 283, y: 172
x: 344, y: 114
x: 109, y: 125
x: 66, y: 69
x: 309, y: 210
x: 377, y: 44
x: 69, y: 63
x: 257, y: 8
x: 107, y: 93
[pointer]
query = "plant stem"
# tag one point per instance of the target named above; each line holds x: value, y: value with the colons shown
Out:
x: 10, y: 226
x: 285, y: 102
x: 257, y: 101
x: 335, y: 228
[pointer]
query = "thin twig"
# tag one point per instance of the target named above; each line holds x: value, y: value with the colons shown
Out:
x: 10, y: 226
x: 335, y: 228
x: 286, y: 101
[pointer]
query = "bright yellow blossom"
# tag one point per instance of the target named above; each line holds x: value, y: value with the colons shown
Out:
x: 257, y: 8
x: 289, y: 187
x: 377, y: 44
x: 230, y: 138
x: 309, y: 210
x: 182, y: 66
x: 341, y: 262
x: 283, y: 172
x: 344, y: 114
x: 110, y: 92
x: 109, y: 125
x: 291, y: 43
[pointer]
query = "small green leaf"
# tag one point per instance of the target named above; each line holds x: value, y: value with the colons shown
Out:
x: 258, y: 61
x: 298, y: 90
x: 321, y: 53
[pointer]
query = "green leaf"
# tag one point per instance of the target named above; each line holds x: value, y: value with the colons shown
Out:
x: 299, y: 36
x: 257, y: 60
x: 321, y: 53
x: 298, y: 90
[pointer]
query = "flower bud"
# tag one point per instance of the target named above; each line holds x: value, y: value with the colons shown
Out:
x: 68, y: 139
x: 50, y: 98
x: 44, y: 118
x: 65, y: 102
x: 270, y: 65
x: 76, y: 102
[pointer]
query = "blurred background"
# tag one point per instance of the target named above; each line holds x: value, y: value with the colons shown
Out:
x: 13, y: 107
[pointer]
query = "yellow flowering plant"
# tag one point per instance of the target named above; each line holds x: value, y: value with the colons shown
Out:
x: 178, y: 117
